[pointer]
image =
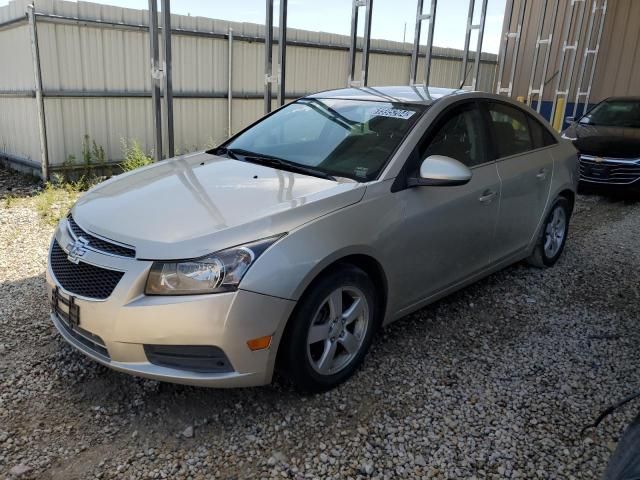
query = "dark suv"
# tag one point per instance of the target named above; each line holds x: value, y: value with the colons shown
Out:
x: 608, y: 138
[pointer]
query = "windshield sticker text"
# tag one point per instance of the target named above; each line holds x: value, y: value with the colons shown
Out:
x: 361, y: 172
x: 393, y: 113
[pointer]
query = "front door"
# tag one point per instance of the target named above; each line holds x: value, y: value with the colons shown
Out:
x: 449, y: 230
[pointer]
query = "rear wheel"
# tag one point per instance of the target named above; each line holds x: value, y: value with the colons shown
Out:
x: 330, y: 331
x: 553, y: 235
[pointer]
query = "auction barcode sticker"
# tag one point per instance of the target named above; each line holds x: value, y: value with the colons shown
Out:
x: 393, y: 113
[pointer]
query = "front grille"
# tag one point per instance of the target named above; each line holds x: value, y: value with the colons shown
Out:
x: 82, y: 279
x: 98, y: 243
x: 87, y: 339
x: 193, y: 358
x: 608, y: 172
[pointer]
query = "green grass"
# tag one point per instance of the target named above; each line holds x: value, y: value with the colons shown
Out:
x: 56, y: 198
x: 54, y: 201
x: 134, y: 156
x: 9, y: 201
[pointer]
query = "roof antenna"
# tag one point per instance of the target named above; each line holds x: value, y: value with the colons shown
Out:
x: 466, y: 75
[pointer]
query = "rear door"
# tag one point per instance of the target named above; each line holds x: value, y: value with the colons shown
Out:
x: 525, y: 167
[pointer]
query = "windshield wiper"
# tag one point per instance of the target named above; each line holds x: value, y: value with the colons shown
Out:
x: 271, y: 161
x: 224, y: 151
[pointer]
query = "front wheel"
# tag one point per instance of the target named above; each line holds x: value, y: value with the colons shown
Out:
x: 553, y: 235
x: 330, y: 331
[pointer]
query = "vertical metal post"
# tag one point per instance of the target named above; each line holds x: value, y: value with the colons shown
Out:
x: 353, y: 38
x: 364, y: 77
x: 156, y: 75
x: 547, y: 43
x: 166, y: 69
x: 432, y: 25
x: 413, y: 78
x: 516, y: 48
x: 268, y: 56
x: 282, y: 51
x: 504, y: 44
x: 595, y: 59
x: 567, y: 80
x: 229, y: 78
x: 37, y: 76
x: 585, y: 58
x: 366, y: 43
x: 476, y: 68
x: 467, y: 41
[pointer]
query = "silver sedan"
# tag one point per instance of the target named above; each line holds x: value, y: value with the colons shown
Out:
x: 291, y: 244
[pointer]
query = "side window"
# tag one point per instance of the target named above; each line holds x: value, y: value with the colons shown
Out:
x: 511, y: 130
x: 459, y: 136
x: 540, y: 135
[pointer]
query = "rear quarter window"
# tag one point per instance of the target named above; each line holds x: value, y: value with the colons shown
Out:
x: 540, y: 135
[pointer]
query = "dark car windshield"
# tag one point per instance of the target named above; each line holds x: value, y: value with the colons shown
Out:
x: 340, y: 137
x: 614, y: 113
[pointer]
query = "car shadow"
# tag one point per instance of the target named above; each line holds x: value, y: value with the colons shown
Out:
x: 611, y: 194
x: 17, y: 185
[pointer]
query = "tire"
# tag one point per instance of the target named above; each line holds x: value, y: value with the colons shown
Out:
x: 320, y: 358
x: 553, y: 235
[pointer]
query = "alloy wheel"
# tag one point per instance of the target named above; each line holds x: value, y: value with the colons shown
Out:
x: 338, y: 330
x: 555, y: 232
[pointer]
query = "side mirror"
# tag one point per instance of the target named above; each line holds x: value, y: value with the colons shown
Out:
x: 438, y: 170
x: 570, y: 120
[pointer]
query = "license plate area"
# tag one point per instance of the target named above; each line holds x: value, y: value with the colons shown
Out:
x: 65, y: 308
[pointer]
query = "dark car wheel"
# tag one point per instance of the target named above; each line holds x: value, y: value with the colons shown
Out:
x: 553, y: 235
x: 330, y: 331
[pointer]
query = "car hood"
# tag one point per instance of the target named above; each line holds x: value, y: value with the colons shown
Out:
x: 615, y: 142
x: 194, y: 205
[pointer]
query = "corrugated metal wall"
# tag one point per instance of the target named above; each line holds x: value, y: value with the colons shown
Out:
x: 618, y: 65
x: 83, y: 62
x: 18, y: 113
x: 618, y: 68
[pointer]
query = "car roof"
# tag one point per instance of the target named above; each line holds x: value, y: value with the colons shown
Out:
x: 619, y: 99
x: 418, y: 94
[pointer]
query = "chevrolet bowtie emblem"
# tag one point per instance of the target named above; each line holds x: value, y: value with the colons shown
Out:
x: 77, y: 249
x: 598, y: 159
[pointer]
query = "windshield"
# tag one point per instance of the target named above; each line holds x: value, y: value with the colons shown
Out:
x: 346, y: 138
x: 614, y: 113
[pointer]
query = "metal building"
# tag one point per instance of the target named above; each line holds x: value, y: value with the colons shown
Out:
x: 573, y: 28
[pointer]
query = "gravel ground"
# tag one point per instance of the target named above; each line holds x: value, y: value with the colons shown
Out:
x: 496, y: 381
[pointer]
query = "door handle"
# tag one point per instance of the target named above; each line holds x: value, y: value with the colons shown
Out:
x: 542, y: 174
x: 487, y: 196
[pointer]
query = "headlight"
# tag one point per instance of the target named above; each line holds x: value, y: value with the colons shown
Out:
x: 218, y: 272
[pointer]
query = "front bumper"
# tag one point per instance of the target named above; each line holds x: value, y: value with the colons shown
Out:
x: 114, y: 331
